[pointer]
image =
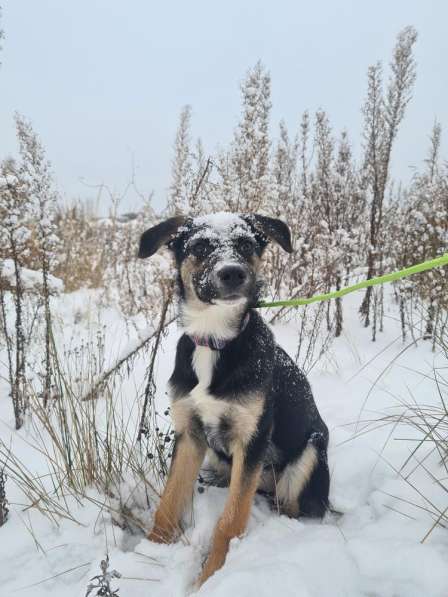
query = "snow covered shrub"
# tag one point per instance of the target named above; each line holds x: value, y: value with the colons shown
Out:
x: 101, y: 253
x: 82, y: 253
x: 181, y: 169
x: 419, y: 232
x: 28, y: 250
x: 135, y: 286
x: 40, y: 189
x: 250, y: 151
x: 383, y: 114
x: 15, y: 228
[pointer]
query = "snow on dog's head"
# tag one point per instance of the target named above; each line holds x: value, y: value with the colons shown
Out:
x: 218, y: 255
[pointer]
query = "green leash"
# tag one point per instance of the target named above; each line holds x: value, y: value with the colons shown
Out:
x: 404, y: 273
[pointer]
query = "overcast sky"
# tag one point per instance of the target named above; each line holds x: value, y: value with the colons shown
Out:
x: 103, y: 81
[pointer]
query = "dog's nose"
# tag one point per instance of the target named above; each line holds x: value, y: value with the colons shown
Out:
x: 232, y: 276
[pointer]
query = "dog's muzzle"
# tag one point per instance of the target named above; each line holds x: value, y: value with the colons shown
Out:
x: 232, y: 277
x: 232, y: 280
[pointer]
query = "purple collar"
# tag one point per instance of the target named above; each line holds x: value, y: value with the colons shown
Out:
x: 217, y: 343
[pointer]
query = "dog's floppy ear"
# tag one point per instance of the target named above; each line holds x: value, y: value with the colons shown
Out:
x: 153, y: 238
x: 273, y: 229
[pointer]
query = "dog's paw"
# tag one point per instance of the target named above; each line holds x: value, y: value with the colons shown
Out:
x: 213, y: 563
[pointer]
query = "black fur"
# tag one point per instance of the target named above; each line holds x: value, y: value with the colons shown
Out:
x: 253, y: 362
x: 154, y: 238
x: 273, y: 229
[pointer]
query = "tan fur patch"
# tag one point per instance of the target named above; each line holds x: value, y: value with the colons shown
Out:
x: 179, y: 489
x: 256, y: 262
x: 181, y: 413
x: 242, y: 416
x: 188, y: 267
x: 294, y: 479
x: 245, y: 418
x: 233, y: 520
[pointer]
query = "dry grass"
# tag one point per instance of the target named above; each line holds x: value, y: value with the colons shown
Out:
x: 422, y: 424
x: 95, y: 443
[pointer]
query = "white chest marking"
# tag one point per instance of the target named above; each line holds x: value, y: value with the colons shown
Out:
x: 243, y: 417
x: 209, y: 409
x: 218, y: 320
x: 203, y: 362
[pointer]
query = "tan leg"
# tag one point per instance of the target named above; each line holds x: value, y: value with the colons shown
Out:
x: 233, y: 521
x: 188, y: 456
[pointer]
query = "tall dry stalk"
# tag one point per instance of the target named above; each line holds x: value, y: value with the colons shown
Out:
x: 4, y: 510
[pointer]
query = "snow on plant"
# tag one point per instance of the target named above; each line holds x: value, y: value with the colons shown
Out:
x: 181, y: 173
x: 15, y: 227
x: 383, y: 114
x: 250, y: 153
x: 419, y: 231
x: 36, y: 174
x: 102, y: 582
x: 28, y: 243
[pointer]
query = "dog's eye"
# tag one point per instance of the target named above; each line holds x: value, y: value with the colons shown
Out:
x: 200, y: 249
x: 246, y: 247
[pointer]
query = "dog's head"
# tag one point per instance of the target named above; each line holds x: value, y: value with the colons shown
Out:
x: 218, y: 255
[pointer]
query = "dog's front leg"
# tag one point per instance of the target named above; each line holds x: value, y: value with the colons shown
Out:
x: 188, y: 455
x: 232, y: 523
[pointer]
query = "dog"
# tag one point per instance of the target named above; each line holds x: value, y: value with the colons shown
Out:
x: 236, y: 395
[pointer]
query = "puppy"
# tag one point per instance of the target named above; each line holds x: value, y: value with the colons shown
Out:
x: 236, y: 395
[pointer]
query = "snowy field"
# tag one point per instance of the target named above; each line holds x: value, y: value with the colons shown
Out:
x: 371, y: 545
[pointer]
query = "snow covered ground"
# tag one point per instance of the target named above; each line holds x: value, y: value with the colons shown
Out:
x: 373, y: 548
